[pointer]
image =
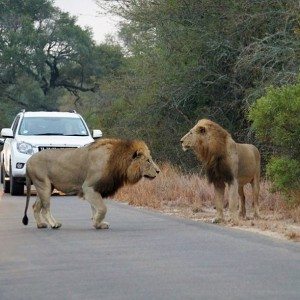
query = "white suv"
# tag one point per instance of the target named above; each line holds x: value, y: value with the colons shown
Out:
x: 32, y: 132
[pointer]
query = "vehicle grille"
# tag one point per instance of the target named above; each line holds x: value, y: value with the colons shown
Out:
x: 50, y: 147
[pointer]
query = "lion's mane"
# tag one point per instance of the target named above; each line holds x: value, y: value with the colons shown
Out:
x: 116, y: 172
x: 214, y: 155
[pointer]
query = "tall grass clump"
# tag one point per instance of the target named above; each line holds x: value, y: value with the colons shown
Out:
x: 174, y: 189
x: 170, y: 188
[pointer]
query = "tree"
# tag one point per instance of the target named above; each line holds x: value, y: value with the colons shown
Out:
x: 43, y: 48
x: 192, y: 59
x: 276, y: 120
x: 110, y: 63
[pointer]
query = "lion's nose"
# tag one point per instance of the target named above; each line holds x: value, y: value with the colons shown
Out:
x: 157, y: 171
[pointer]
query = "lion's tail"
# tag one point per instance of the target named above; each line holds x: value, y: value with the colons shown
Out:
x: 28, y: 192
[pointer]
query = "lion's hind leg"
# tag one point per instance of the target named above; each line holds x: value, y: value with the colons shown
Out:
x: 242, y: 206
x: 44, y: 190
x: 255, y: 191
x: 37, y: 208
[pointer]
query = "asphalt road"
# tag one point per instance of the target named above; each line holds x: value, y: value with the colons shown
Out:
x: 144, y: 255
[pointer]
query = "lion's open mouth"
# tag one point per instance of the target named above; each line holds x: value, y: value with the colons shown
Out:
x: 149, y: 177
x: 185, y: 147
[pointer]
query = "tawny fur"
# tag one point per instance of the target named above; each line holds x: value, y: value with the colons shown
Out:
x: 225, y: 162
x: 93, y: 172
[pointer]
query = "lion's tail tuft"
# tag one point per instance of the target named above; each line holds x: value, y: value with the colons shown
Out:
x: 25, y: 220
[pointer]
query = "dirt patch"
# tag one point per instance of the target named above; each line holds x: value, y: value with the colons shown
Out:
x: 269, y: 225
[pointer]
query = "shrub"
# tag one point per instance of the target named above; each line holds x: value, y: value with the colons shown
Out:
x: 285, y: 175
x: 276, y: 120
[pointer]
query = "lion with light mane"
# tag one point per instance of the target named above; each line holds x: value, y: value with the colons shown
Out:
x: 93, y: 172
x: 225, y: 162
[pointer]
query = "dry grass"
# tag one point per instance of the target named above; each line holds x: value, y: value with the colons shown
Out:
x: 171, y: 188
x: 191, y: 196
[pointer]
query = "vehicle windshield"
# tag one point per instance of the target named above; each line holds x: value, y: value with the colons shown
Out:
x: 52, y: 126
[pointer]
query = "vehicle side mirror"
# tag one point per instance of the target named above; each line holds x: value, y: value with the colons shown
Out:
x: 97, y: 133
x: 7, y: 133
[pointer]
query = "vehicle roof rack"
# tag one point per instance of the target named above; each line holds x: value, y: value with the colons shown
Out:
x: 73, y: 111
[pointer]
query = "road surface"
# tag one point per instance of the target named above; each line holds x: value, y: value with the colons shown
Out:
x: 144, y: 255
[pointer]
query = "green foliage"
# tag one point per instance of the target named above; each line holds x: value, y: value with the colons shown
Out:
x: 201, y: 58
x: 44, y: 54
x: 284, y: 172
x: 110, y: 62
x: 276, y: 119
x: 183, y: 60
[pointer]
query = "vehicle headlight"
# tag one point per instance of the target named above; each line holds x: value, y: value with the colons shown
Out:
x: 25, y: 148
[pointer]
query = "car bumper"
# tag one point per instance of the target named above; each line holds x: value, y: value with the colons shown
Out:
x: 18, y: 164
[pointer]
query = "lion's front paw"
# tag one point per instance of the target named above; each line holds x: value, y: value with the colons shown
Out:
x: 102, y: 225
x: 217, y: 220
x: 56, y: 225
x: 233, y: 221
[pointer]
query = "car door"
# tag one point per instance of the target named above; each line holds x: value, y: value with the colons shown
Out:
x: 8, y: 144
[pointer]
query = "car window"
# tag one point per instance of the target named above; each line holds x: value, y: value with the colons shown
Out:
x: 52, y: 126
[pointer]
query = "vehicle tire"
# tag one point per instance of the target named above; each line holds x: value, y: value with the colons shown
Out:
x: 1, y: 174
x: 6, y: 183
x: 16, y: 188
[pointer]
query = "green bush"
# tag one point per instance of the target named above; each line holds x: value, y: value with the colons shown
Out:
x: 276, y: 120
x: 285, y: 175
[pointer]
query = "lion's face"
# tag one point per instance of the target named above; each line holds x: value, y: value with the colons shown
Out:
x: 197, y: 136
x: 142, y: 165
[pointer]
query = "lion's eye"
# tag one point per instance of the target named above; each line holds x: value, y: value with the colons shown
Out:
x: 148, y: 161
x: 201, y: 130
x: 136, y: 154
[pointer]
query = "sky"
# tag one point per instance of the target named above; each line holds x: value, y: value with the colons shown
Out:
x: 89, y: 14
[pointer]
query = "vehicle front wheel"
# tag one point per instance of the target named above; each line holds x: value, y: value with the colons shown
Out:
x: 16, y: 188
x: 6, y: 181
x: 1, y: 173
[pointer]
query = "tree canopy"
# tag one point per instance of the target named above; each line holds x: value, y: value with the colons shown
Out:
x: 44, y: 53
x: 192, y: 59
x: 177, y: 61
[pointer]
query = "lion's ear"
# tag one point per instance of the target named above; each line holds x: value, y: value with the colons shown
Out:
x: 136, y: 154
x: 201, y: 129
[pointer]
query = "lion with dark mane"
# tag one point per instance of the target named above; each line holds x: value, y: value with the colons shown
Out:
x: 93, y: 172
x: 225, y: 162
